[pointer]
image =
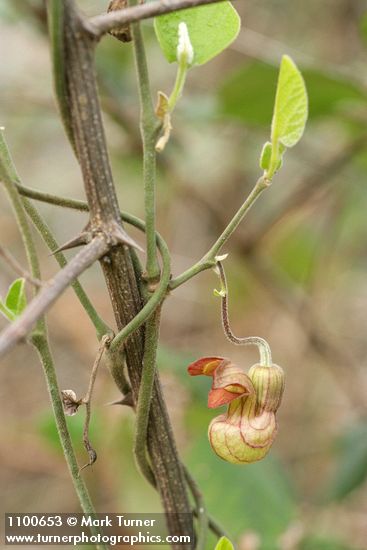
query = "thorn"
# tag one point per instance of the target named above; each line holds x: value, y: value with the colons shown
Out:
x: 221, y: 257
x: 92, y: 458
x: 122, y: 237
x: 80, y: 240
x: 125, y: 400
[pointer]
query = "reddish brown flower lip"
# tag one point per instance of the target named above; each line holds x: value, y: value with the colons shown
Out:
x: 229, y: 380
x: 205, y: 366
x: 220, y: 396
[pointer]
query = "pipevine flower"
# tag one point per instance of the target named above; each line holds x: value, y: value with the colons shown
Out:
x: 247, y: 430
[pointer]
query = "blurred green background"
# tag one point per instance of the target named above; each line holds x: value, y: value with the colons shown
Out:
x: 296, y: 269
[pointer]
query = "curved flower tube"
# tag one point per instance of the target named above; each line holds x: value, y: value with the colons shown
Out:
x: 245, y: 433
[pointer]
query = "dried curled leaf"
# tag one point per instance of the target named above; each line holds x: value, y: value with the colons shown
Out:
x: 70, y: 402
x: 162, y: 111
x: 122, y: 33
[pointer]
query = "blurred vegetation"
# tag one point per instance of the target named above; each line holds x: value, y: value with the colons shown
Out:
x: 296, y: 271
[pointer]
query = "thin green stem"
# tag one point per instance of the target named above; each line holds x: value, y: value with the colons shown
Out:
x: 263, y: 346
x: 51, y: 199
x: 40, y: 342
x: 149, y: 127
x: 145, y: 395
x: 8, y: 174
x: 39, y: 338
x: 154, y: 300
x: 208, y: 260
x: 178, y: 86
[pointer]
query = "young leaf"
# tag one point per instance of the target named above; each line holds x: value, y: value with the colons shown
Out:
x: 211, y: 29
x: 224, y: 544
x: 16, y: 300
x: 265, y: 156
x: 291, y: 105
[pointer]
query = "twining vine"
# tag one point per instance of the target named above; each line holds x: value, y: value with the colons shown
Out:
x: 137, y: 293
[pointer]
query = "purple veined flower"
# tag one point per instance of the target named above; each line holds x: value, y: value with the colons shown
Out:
x: 245, y: 433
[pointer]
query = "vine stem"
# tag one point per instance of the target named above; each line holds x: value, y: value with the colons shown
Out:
x: 7, y: 175
x: 209, y: 260
x: 200, y: 510
x: 264, y: 348
x: 149, y: 127
x: 124, y: 333
x: 145, y: 396
x: 154, y: 299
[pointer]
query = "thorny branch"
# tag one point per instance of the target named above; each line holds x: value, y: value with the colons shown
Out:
x: 77, y: 95
x: 50, y: 292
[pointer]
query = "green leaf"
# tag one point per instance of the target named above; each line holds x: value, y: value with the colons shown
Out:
x: 211, y: 29
x: 16, y: 300
x: 351, y: 471
x: 291, y: 105
x: 224, y: 544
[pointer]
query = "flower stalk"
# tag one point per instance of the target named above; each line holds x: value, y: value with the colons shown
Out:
x: 261, y: 343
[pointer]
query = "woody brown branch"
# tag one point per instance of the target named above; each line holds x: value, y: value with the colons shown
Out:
x: 102, y: 24
x: 122, y: 279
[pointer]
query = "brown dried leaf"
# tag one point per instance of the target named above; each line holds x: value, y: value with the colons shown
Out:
x: 70, y: 402
x: 122, y: 33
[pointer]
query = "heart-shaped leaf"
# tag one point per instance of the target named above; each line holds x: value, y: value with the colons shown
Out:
x: 211, y: 29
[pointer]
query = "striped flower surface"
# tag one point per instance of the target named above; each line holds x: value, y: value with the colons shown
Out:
x: 245, y: 433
